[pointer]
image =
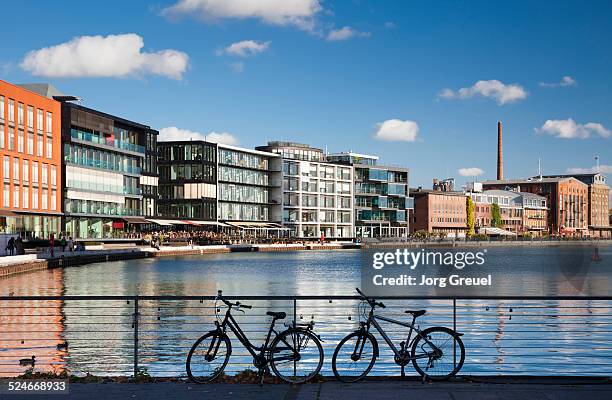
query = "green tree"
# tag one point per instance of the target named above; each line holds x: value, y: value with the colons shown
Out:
x: 496, y: 220
x: 470, y: 216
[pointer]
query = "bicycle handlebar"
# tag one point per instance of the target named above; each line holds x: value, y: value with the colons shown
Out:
x: 229, y: 304
x: 371, y: 301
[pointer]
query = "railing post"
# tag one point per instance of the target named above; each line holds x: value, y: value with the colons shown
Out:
x: 295, y: 325
x: 135, y: 323
x: 454, y: 329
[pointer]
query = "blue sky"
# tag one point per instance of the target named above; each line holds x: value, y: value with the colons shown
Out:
x: 292, y: 82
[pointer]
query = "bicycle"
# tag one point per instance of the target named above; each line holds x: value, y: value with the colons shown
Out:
x: 355, y: 355
x: 295, y: 355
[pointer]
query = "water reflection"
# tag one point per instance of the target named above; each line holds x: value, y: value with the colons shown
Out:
x: 545, y: 337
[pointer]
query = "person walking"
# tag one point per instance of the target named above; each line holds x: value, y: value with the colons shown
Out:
x: 52, y: 244
x: 70, y: 244
x: 63, y: 243
x: 19, y: 250
x: 10, y: 246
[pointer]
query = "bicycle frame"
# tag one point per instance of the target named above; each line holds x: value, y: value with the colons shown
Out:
x: 372, y: 321
x: 230, y: 322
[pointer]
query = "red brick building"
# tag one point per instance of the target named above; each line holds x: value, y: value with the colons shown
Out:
x: 30, y: 157
x: 438, y: 212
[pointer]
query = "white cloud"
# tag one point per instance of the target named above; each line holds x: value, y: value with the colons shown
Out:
x: 565, y: 81
x: 345, y: 33
x: 390, y: 25
x: 299, y: 13
x: 472, y: 171
x: 604, y: 169
x: 173, y: 133
x: 569, y: 129
x: 500, y: 92
x: 104, y: 56
x: 245, y: 48
x: 396, y: 130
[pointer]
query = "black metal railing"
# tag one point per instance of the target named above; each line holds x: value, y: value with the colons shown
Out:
x: 131, y: 335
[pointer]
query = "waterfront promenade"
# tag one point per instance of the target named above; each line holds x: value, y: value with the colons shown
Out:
x: 551, y: 389
x: 11, y: 265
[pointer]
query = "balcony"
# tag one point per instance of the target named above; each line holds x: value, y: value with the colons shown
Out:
x: 97, y: 139
x: 90, y: 162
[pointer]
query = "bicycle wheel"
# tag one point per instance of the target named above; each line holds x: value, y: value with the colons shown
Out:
x: 442, y: 361
x: 208, y: 357
x: 296, y: 355
x: 354, y: 356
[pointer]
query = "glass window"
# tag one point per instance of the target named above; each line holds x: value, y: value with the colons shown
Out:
x: 2, y: 108
x: 6, y: 168
x: 11, y: 111
x: 20, y: 140
x: 53, y: 176
x: 49, y: 147
x: 20, y: 114
x: 39, y: 145
x: 6, y: 196
x: 53, y: 199
x: 44, y: 177
x: 39, y: 120
x: 16, y: 170
x: 44, y: 199
x: 30, y: 143
x: 34, y: 197
x: 11, y: 138
x: 49, y: 122
x: 16, y: 196
x: 26, y: 197
x: 34, y: 172
x: 30, y: 118
x: 26, y: 171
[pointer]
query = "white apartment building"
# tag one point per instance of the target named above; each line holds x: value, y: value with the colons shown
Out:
x: 317, y: 196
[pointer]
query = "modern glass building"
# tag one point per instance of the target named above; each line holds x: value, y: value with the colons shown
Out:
x: 104, y: 168
x: 381, y: 196
x: 187, y: 180
x: 249, y: 187
x: 317, y: 195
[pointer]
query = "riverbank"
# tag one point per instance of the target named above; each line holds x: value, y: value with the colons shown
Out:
x: 11, y: 265
x: 551, y: 389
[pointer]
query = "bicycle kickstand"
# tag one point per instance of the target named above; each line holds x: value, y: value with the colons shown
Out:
x: 403, y: 371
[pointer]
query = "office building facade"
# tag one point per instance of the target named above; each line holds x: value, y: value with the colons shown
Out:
x: 249, y: 188
x: 103, y: 160
x: 381, y: 198
x: 440, y: 212
x: 30, y: 148
x: 187, y: 180
x: 317, y: 196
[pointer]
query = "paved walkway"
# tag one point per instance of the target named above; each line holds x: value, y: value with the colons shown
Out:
x: 335, y: 390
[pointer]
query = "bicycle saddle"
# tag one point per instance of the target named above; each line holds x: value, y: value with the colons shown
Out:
x: 277, y: 315
x: 415, y: 313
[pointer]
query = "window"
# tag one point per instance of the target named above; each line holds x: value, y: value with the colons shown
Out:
x: 49, y: 122
x: 34, y: 197
x: 20, y: 141
x: 53, y: 199
x: 11, y: 112
x: 6, y: 169
x: 39, y: 120
x: 44, y: 177
x: 54, y: 176
x: 26, y: 172
x: 26, y: 197
x: 30, y: 118
x: 43, y: 203
x: 2, y: 108
x: 20, y: 114
x: 34, y: 173
x: 11, y: 138
x: 39, y: 145
x: 6, y: 196
x: 49, y: 147
x: 15, y: 170
x: 30, y: 143
x: 16, y: 196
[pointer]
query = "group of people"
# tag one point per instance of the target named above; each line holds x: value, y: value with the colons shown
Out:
x: 204, y: 238
x: 14, y: 246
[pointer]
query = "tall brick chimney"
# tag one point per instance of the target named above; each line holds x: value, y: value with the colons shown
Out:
x: 500, y: 153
